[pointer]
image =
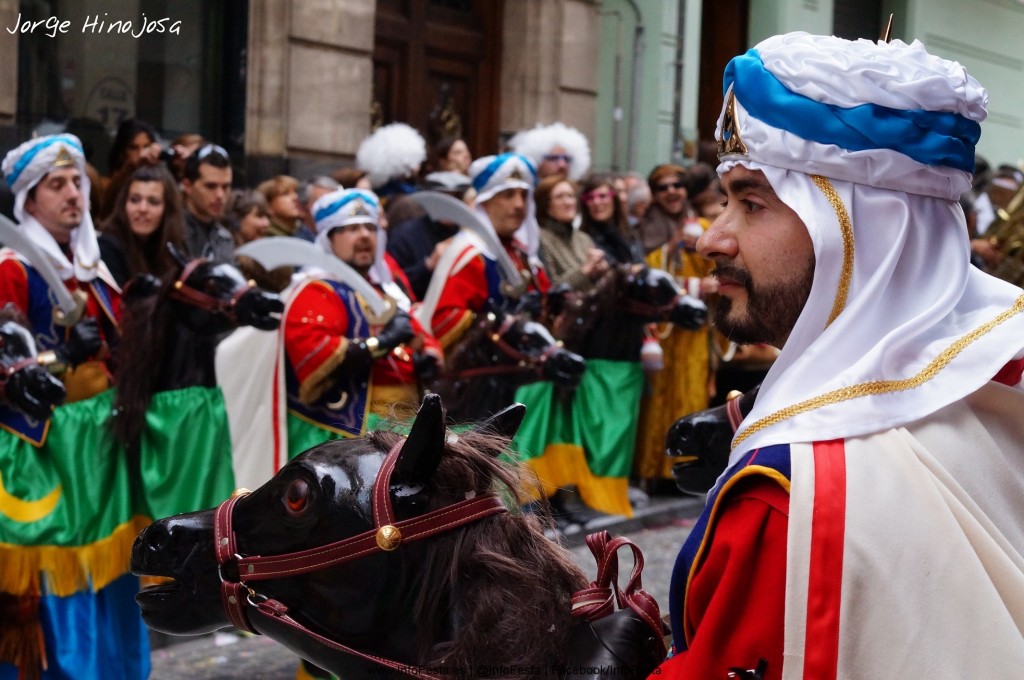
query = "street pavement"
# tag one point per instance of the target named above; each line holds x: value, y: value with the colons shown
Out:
x: 659, y: 529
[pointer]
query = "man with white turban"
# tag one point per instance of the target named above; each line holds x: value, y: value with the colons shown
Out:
x: 342, y: 363
x: 68, y: 602
x: 48, y: 178
x: 868, y: 525
x: 470, y: 275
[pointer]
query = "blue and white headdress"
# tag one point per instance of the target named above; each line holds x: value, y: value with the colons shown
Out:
x: 23, y: 168
x: 343, y: 207
x: 493, y: 174
x: 871, y: 143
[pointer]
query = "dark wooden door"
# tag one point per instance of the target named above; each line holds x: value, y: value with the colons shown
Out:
x: 437, y: 65
x: 723, y: 36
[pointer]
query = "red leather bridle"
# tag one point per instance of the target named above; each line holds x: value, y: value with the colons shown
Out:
x: 239, y: 598
x: 183, y: 292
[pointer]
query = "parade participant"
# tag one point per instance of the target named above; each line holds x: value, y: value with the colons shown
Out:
x: 52, y: 207
x: 66, y: 601
x: 468, y: 279
x: 342, y: 365
x: 868, y: 524
x: 555, y: 149
x: 392, y: 157
x: 207, y: 187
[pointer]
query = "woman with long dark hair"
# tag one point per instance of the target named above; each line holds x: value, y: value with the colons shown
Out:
x: 147, y: 216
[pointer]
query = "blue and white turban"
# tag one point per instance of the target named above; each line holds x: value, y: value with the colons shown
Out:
x: 871, y: 143
x: 343, y: 207
x: 23, y: 168
x: 493, y: 174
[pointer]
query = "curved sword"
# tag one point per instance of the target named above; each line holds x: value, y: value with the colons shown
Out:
x: 444, y: 208
x: 288, y: 251
x: 70, y: 307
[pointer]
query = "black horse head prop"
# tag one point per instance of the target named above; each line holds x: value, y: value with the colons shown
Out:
x: 704, y: 440
x: 25, y: 384
x: 653, y: 295
x: 498, y: 354
x: 347, y: 555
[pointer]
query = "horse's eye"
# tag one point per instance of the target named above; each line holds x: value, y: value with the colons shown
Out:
x: 297, y: 496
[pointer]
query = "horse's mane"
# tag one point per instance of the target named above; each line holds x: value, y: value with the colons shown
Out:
x: 145, y: 324
x: 505, y: 584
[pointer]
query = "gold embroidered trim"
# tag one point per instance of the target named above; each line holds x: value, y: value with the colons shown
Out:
x: 882, y: 386
x: 846, y: 228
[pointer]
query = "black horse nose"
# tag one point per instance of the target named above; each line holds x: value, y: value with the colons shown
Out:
x: 681, y: 437
x: 565, y: 368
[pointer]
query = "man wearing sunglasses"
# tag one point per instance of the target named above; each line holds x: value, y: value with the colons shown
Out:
x: 206, y: 187
x: 667, y: 212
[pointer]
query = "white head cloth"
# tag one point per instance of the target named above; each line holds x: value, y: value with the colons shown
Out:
x: 898, y: 323
x: 540, y: 140
x: 493, y: 174
x: 23, y: 168
x: 352, y: 206
x: 391, y: 152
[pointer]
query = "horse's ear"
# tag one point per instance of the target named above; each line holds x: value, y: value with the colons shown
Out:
x: 178, y: 256
x: 421, y: 453
x: 505, y: 423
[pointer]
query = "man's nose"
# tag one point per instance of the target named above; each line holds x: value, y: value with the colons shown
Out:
x: 718, y: 240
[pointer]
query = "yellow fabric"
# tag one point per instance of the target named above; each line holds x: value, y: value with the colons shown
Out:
x: 86, y: 380
x: 681, y: 387
x: 69, y: 569
x: 564, y: 465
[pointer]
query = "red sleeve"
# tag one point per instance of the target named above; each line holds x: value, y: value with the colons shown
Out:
x: 398, y: 274
x: 13, y: 284
x: 464, y: 294
x: 736, y: 600
x: 314, y: 337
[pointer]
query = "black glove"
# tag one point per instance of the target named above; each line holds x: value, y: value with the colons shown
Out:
x: 531, y: 303
x: 688, y: 313
x: 84, y: 341
x: 34, y: 392
x: 259, y: 309
x: 426, y: 367
x: 557, y: 297
x: 397, y: 331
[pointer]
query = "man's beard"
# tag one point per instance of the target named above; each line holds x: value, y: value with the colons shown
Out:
x: 771, y: 311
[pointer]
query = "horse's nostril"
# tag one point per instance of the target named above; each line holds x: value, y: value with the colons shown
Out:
x: 157, y: 537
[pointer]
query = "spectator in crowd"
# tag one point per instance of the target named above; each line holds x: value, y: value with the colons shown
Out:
x: 555, y: 149
x: 352, y: 178
x: 248, y: 218
x: 147, y: 217
x: 569, y: 254
x: 181, y: 148
x: 450, y: 154
x: 342, y: 363
x: 418, y: 244
x: 668, y: 209
x: 206, y: 188
x: 686, y: 382
x: 282, y: 194
x: 638, y: 199
x: 135, y: 144
x: 310, y: 192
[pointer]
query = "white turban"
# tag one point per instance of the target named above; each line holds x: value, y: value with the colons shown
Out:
x: 343, y: 207
x: 23, y: 168
x: 871, y: 144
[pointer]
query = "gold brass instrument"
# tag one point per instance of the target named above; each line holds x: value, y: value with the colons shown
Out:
x: 1006, y: 234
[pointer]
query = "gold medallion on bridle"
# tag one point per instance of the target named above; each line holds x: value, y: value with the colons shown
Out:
x: 388, y: 537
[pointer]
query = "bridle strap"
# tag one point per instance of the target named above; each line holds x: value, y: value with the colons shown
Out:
x: 525, y: 363
x: 388, y: 534
x: 183, y: 292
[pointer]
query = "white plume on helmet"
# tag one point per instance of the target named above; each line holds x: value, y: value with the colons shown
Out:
x: 538, y: 141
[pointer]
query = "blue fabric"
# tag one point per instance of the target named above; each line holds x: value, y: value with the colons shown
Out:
x: 27, y: 157
x: 481, y: 180
x: 101, y: 635
x: 349, y: 196
x: 774, y: 457
x: 933, y: 138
